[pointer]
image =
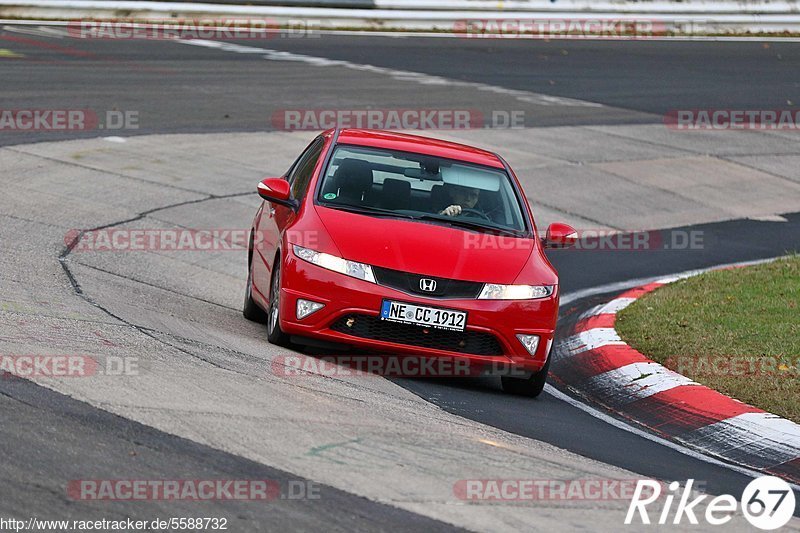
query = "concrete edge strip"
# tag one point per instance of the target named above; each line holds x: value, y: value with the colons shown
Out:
x: 653, y: 6
x: 778, y: 18
x: 611, y: 372
x: 398, y: 32
x: 435, y: 9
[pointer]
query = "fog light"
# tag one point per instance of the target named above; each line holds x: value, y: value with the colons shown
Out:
x: 306, y: 307
x: 530, y: 342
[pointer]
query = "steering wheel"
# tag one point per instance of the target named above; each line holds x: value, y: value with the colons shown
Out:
x: 474, y: 213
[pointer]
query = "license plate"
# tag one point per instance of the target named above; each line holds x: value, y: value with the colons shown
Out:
x: 420, y: 315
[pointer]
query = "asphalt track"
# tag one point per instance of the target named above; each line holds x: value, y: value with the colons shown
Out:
x: 191, y: 89
x: 556, y: 422
x: 180, y: 88
x: 70, y: 437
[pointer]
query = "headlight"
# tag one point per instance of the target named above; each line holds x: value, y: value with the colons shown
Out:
x: 493, y: 291
x: 337, y: 264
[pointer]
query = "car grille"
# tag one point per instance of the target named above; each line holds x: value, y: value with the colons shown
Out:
x: 410, y: 283
x: 370, y: 327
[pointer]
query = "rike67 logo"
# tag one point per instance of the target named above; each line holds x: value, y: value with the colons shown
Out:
x: 767, y: 503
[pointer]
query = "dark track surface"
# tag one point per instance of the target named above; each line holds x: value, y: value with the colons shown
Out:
x: 49, y: 439
x: 179, y: 88
x: 647, y: 76
x: 558, y: 423
x: 183, y: 88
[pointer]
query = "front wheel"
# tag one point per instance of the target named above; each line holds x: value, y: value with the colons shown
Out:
x: 530, y: 387
x: 274, y: 333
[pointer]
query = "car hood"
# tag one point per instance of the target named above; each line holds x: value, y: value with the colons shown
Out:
x: 426, y: 248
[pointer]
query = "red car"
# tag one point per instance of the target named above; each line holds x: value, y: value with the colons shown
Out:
x: 408, y: 245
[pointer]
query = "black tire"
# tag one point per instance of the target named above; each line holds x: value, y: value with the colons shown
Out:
x: 250, y: 309
x: 274, y: 333
x: 530, y: 387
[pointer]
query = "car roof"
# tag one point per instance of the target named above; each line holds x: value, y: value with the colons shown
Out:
x: 417, y: 144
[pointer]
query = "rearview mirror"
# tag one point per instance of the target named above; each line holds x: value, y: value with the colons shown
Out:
x: 560, y: 236
x: 277, y: 190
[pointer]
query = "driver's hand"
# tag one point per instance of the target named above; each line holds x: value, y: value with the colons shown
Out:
x: 451, y: 211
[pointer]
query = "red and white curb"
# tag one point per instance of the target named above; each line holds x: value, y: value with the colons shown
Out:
x: 603, y: 368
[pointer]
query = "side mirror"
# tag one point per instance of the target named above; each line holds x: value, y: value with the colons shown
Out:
x: 560, y: 236
x: 277, y: 190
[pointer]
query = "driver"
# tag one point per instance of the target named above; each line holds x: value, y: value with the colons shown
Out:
x: 460, y: 198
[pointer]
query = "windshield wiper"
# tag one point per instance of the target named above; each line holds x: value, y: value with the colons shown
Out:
x: 460, y: 222
x: 372, y: 211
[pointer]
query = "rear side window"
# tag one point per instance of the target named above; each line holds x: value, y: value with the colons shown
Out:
x: 301, y: 173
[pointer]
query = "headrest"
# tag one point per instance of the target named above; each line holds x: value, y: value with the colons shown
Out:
x: 396, y: 193
x: 353, y: 176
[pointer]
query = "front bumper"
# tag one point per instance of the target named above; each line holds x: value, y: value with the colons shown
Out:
x: 350, y: 303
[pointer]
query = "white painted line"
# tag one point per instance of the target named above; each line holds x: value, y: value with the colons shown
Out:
x: 591, y: 339
x: 677, y: 277
x: 400, y: 75
x: 750, y: 435
x: 39, y: 31
x: 619, y: 424
x: 769, y: 218
x: 609, y: 308
x: 635, y: 381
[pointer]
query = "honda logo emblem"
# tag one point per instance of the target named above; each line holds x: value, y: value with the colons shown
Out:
x: 427, y: 285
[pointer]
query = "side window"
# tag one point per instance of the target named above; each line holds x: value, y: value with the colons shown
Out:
x: 301, y: 174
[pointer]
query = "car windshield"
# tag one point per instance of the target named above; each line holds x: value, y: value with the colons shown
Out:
x: 383, y: 182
